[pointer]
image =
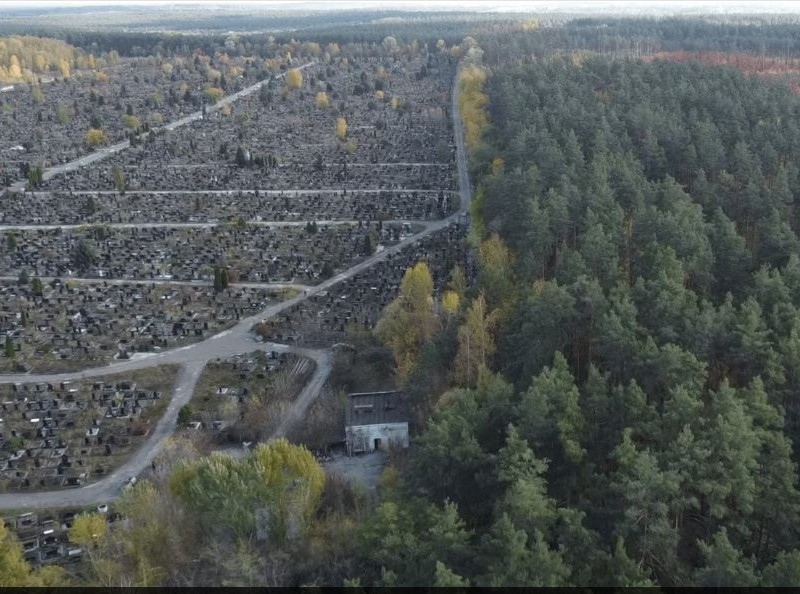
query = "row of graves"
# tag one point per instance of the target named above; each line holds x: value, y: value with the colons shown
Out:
x: 146, y: 174
x: 64, y: 326
x: 357, y: 303
x: 72, y: 208
x: 232, y: 388
x: 251, y: 253
x: 48, y: 123
x: 398, y: 135
x: 60, y: 435
x: 44, y: 537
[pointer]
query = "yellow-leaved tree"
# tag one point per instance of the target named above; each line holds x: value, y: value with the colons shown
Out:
x: 214, y: 94
x: 95, y: 136
x: 88, y: 530
x: 458, y: 281
x: 498, y: 164
x: 409, y: 321
x: 64, y: 68
x: 496, y: 274
x: 472, y: 102
x: 153, y: 542
x: 476, y: 345
x: 294, y: 78
x: 14, y: 69
x: 131, y: 121
x: 275, y: 491
x: 15, y: 572
x: 322, y: 100
x: 341, y: 128
x: 450, y: 302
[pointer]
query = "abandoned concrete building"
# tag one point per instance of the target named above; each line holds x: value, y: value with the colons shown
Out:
x: 376, y: 421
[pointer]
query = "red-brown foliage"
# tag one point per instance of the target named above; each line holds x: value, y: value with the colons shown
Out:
x: 764, y: 66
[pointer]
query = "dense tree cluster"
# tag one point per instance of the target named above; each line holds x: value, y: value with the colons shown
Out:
x: 614, y: 403
x: 261, y: 520
x: 26, y: 57
x: 641, y: 272
x: 637, y: 37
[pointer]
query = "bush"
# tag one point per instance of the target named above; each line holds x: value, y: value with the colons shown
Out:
x: 184, y: 414
x: 95, y: 136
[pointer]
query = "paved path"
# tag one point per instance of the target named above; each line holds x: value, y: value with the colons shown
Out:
x: 331, y: 164
x: 160, y: 281
x: 105, y: 152
x: 192, y: 358
x: 206, y: 225
x: 242, y: 191
x: 110, y: 487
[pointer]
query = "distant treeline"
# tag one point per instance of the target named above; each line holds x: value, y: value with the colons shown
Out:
x: 497, y: 34
x: 341, y: 27
x: 638, y: 37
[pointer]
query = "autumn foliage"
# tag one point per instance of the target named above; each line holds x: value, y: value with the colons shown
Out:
x: 95, y: 136
x: 294, y: 79
x: 322, y: 100
x: 15, y: 572
x: 409, y: 321
x: 341, y: 128
x: 284, y: 479
x: 764, y: 66
x: 472, y: 103
x: 25, y: 57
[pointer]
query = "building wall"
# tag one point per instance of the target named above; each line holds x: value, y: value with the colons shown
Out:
x: 361, y: 438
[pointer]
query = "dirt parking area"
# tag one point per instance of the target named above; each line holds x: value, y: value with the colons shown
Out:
x: 364, y: 469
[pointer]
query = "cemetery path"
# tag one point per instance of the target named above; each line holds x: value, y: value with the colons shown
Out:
x: 205, y: 225
x: 238, y: 339
x: 309, y: 393
x: 105, y: 152
x: 464, y: 187
x: 243, y: 192
x: 161, y: 281
x: 110, y: 487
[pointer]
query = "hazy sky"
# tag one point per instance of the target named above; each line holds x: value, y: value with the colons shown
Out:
x: 727, y: 6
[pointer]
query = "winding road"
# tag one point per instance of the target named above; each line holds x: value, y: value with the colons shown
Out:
x: 236, y: 340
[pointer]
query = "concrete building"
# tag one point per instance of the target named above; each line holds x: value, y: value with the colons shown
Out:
x: 376, y: 421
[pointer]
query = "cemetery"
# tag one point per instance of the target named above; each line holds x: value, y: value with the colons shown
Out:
x: 66, y: 434
x: 44, y: 535
x: 356, y: 304
x: 63, y: 326
x: 250, y: 252
x: 191, y: 229
x: 242, y: 397
x: 109, y: 207
x: 131, y: 96
x: 371, y: 123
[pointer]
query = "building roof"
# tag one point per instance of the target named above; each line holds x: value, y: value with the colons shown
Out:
x: 376, y: 408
